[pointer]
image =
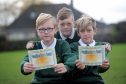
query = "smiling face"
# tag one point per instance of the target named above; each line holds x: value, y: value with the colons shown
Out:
x: 46, y: 31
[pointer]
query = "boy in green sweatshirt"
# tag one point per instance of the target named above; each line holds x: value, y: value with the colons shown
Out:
x: 85, y: 74
x: 46, y: 28
x: 65, y: 21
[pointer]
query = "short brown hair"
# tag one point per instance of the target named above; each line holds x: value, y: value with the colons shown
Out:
x: 85, y: 21
x: 64, y: 13
x: 44, y: 17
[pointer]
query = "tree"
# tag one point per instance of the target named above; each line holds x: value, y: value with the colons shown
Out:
x: 9, y: 11
x: 121, y: 30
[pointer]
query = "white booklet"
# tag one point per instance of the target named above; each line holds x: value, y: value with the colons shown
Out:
x: 92, y: 55
x: 42, y: 58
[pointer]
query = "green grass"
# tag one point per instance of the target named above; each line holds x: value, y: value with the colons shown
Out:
x: 117, y: 72
x: 10, y: 67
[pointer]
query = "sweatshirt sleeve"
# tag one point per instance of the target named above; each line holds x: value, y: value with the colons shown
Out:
x: 68, y: 57
x: 74, y: 50
x: 102, y: 70
x: 26, y: 59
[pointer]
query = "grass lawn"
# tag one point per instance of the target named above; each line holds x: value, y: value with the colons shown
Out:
x: 117, y: 72
x: 10, y: 67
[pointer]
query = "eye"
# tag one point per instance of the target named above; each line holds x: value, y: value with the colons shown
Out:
x: 89, y: 30
x: 41, y: 30
x: 63, y: 24
x: 49, y: 28
x: 69, y: 24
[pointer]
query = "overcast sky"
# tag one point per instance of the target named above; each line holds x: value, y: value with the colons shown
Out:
x: 111, y: 11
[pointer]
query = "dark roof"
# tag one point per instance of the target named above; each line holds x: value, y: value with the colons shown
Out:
x: 28, y: 17
x: 101, y: 25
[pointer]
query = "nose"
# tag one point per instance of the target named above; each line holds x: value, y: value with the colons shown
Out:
x: 46, y: 31
x: 85, y: 32
x: 65, y: 26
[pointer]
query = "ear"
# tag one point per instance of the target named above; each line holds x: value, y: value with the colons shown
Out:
x: 78, y: 33
x: 74, y: 24
x: 57, y: 23
x: 37, y: 34
x: 56, y: 29
x: 36, y: 30
x: 95, y: 31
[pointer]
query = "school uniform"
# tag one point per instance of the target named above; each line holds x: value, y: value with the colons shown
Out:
x: 49, y: 76
x: 72, y: 38
x: 91, y: 74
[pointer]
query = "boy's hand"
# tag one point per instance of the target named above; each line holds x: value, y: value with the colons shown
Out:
x: 28, y: 67
x: 80, y: 65
x: 29, y: 45
x: 108, y: 47
x: 60, y: 68
x: 105, y: 64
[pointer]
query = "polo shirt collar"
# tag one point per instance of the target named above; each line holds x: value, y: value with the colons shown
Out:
x: 51, y: 46
x: 83, y: 44
x: 71, y: 36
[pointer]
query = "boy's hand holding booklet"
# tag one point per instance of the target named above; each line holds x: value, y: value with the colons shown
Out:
x: 92, y: 55
x: 42, y: 58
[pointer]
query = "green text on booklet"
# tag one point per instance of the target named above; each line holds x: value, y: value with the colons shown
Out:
x: 42, y: 58
x: 92, y: 55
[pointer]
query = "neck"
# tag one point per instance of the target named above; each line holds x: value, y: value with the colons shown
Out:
x: 88, y: 42
x: 48, y: 43
x: 67, y: 36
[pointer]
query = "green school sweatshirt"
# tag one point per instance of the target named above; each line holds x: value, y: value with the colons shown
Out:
x: 47, y: 76
x: 91, y: 73
x: 75, y: 38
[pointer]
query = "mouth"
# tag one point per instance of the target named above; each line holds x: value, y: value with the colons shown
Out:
x: 86, y: 38
x: 66, y: 30
x: 46, y: 36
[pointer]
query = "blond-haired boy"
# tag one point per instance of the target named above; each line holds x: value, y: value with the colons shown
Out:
x: 46, y: 28
x: 85, y: 74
